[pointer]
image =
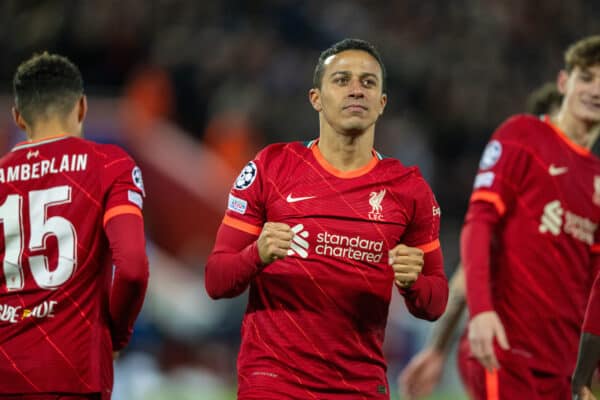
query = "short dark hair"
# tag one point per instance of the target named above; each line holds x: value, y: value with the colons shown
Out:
x: 583, y: 53
x: 343, y: 45
x: 543, y: 99
x: 46, y: 83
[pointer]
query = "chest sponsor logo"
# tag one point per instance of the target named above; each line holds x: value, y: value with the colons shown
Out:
x: 299, y: 244
x: 554, y: 170
x: 375, y: 199
x: 556, y: 219
x: 292, y: 199
x: 596, y: 197
x: 336, y: 246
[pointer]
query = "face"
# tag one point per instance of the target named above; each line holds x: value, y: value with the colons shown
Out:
x: 581, y: 90
x: 350, y: 98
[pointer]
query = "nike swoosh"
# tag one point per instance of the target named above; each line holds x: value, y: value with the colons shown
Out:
x: 553, y: 170
x: 291, y: 199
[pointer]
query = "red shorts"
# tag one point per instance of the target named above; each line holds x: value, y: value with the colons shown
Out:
x: 513, y: 381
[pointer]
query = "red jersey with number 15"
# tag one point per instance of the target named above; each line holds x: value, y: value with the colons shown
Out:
x: 315, y: 321
x: 55, y: 197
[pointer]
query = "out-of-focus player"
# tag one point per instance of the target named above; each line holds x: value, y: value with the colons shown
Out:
x: 314, y: 230
x: 589, y: 347
x: 70, y: 209
x: 530, y: 243
x: 424, y: 371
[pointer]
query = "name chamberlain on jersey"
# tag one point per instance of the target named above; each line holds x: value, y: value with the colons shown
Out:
x: 36, y: 170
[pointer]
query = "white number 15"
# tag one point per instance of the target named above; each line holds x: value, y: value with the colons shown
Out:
x: 11, y: 216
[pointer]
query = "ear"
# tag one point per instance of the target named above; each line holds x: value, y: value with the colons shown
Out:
x: 561, y: 81
x: 314, y: 96
x: 382, y: 102
x: 82, y: 108
x: 18, y: 118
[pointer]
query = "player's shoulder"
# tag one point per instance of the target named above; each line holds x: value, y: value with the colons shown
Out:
x: 394, y: 166
x: 284, y: 153
x: 521, y: 127
x: 281, y: 150
x: 396, y: 170
x: 108, y: 152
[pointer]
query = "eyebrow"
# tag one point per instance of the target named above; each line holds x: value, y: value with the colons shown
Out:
x: 362, y: 75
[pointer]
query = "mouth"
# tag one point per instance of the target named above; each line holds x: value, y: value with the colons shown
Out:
x: 355, y: 108
x: 593, y: 105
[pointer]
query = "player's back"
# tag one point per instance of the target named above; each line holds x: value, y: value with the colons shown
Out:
x: 54, y: 317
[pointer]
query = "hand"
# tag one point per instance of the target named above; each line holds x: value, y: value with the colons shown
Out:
x: 274, y: 241
x: 483, y: 328
x: 422, y: 374
x: 407, y: 263
x: 584, y: 394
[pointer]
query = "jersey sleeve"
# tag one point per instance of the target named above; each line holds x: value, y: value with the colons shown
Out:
x: 122, y: 184
x: 428, y: 296
x: 246, y: 206
x: 503, y: 166
x: 424, y: 229
x: 234, y: 260
x: 591, y: 323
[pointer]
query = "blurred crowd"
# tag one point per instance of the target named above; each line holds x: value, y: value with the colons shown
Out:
x: 194, y: 88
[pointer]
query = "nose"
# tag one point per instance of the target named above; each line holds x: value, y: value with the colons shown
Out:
x: 356, y: 89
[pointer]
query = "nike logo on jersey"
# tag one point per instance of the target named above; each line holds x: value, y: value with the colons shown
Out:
x: 553, y: 170
x: 291, y: 199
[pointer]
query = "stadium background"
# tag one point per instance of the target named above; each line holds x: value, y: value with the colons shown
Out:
x: 193, y: 88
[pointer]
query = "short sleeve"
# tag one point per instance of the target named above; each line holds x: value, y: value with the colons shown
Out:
x: 245, y: 205
x: 424, y: 229
x: 503, y: 165
x: 124, y: 185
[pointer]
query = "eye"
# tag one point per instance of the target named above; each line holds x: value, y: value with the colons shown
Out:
x: 369, y: 82
x: 341, y: 80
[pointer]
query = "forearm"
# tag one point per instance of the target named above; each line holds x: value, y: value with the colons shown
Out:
x: 130, y: 279
x: 446, y: 326
x: 428, y: 296
x: 475, y: 246
x: 587, y: 360
x: 232, y: 265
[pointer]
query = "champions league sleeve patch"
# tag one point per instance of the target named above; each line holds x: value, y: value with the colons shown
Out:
x: 246, y: 177
x: 491, y: 155
x: 136, y: 176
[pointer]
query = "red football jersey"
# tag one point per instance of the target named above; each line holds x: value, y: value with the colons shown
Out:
x: 547, y: 191
x: 316, y: 320
x: 55, y: 196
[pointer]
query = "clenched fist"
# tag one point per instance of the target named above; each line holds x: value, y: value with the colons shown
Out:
x: 274, y: 241
x: 407, y: 263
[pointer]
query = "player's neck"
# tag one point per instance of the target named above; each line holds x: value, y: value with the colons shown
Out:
x: 579, y: 131
x: 49, y: 129
x: 346, y: 153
